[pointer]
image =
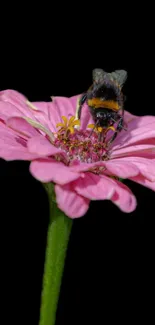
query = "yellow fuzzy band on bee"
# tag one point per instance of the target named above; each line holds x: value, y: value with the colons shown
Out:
x: 97, y: 103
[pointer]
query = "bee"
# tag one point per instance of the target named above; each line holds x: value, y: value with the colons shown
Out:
x: 105, y: 101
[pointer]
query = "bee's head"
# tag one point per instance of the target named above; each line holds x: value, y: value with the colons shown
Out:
x: 101, y: 115
x: 103, y: 118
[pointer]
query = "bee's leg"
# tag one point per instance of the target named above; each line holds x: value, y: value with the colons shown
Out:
x: 80, y: 105
x: 118, y: 129
x: 95, y: 125
x: 124, y: 125
x: 101, y: 136
x: 92, y: 130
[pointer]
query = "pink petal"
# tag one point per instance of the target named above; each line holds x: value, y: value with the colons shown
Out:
x: 86, y: 117
x: 72, y: 204
x: 42, y: 146
x: 80, y: 166
x: 116, y: 167
x: 7, y: 110
x: 124, y: 198
x: 17, y: 106
x: 121, y: 168
x: 15, y: 153
x: 46, y: 114
x: 22, y: 126
x: 54, y: 115
x: 67, y: 107
x: 5, y: 132
x: 143, y: 181
x: 141, y: 150
x: 51, y: 170
x: 146, y: 166
x: 128, y: 117
x: 43, y: 119
x: 17, y: 101
x: 12, y: 146
x: 139, y: 129
x: 64, y: 107
x: 149, y: 141
x: 141, y: 121
x: 60, y: 106
x: 42, y: 107
x: 13, y: 104
x: 12, y: 95
x: 74, y: 100
x: 94, y: 187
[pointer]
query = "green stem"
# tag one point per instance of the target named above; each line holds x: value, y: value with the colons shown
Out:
x: 57, y: 241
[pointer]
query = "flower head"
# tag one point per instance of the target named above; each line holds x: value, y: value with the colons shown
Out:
x: 70, y: 153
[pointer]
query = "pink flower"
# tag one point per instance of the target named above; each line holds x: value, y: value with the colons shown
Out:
x: 46, y: 134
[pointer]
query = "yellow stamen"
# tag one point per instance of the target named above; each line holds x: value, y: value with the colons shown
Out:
x: 65, y: 120
x: 71, y: 129
x: 59, y: 124
x: 68, y: 125
x: 71, y: 120
x: 77, y: 122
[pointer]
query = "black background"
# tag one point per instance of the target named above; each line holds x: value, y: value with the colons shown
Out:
x: 108, y: 270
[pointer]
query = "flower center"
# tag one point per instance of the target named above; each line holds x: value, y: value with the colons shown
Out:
x: 78, y: 144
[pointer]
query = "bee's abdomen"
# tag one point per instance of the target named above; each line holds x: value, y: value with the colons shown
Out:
x: 98, y: 103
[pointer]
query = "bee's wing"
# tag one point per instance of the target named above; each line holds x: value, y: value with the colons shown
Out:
x: 120, y: 76
x: 98, y: 75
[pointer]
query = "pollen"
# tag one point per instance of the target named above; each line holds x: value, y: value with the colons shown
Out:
x: 95, y: 128
x: 99, y: 129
